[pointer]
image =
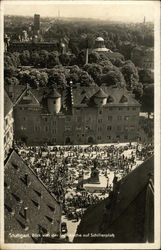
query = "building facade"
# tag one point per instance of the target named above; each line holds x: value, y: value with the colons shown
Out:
x: 81, y: 115
x: 8, y: 124
x: 29, y: 208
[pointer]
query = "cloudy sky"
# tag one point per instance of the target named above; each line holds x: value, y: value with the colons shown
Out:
x: 126, y: 11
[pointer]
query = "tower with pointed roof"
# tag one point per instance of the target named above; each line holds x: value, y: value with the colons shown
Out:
x: 100, y: 98
x: 54, y: 102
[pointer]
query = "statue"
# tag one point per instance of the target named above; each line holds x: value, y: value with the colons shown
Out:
x: 94, y: 178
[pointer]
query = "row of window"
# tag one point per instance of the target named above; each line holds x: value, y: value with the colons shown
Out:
x: 109, y: 118
x: 109, y: 137
x: 112, y: 108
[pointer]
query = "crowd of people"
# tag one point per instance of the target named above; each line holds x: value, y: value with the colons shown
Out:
x: 59, y: 167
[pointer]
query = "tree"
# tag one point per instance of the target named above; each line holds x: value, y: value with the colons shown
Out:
x: 65, y: 59
x: 113, y: 77
x: 35, y: 59
x: 94, y: 70
x: 130, y: 74
x: 11, y: 81
x: 138, y: 91
x: 86, y: 79
x: 146, y: 76
x: 9, y: 71
x: 44, y: 56
x: 148, y: 99
x: 53, y: 59
x: 57, y: 79
x: 25, y: 58
x: 94, y: 57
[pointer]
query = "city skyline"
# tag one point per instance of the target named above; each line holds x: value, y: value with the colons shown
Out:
x: 110, y: 11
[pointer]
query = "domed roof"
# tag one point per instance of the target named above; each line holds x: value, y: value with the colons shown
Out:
x: 99, y: 39
x: 100, y: 94
x: 54, y: 94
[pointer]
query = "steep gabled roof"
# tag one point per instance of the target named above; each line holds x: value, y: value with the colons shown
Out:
x: 18, y: 90
x: 100, y: 94
x: 24, y: 190
x: 7, y: 104
x: 130, y: 217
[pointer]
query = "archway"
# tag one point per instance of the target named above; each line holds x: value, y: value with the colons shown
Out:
x: 67, y: 140
x: 90, y: 139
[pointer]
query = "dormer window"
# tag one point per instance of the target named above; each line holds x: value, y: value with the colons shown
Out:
x: 123, y: 99
x: 110, y: 99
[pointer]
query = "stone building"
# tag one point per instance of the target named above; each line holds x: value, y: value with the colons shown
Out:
x: 31, y: 213
x: 8, y: 124
x: 78, y: 115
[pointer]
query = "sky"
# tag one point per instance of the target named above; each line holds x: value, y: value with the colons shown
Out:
x: 125, y: 11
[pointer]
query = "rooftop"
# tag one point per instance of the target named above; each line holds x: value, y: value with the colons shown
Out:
x: 29, y: 207
x: 7, y: 104
x: 127, y: 217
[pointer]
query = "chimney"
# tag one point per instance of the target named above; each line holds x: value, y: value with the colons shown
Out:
x: 25, y: 212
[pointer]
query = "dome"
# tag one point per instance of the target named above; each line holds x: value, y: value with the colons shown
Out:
x: 99, y: 39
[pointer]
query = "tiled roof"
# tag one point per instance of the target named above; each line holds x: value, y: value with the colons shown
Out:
x: 127, y: 216
x: 7, y: 104
x: 114, y: 93
x: 24, y: 190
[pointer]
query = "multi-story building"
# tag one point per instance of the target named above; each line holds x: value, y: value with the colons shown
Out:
x: 8, y: 124
x: 78, y: 115
x: 31, y: 213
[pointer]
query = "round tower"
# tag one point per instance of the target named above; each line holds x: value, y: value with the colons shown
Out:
x: 100, y: 98
x: 54, y: 102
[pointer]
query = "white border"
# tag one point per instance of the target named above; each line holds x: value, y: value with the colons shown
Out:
x: 157, y: 135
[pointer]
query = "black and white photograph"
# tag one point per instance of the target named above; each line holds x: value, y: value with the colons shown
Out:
x: 80, y: 130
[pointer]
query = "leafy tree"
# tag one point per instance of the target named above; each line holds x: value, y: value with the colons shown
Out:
x: 35, y: 59
x: 94, y: 70
x: 94, y: 57
x: 86, y: 79
x: 65, y: 59
x: 53, y: 59
x: 25, y: 58
x: 130, y: 74
x: 57, y: 79
x: 9, y: 71
x: 113, y: 77
x: 146, y: 76
x: 44, y: 56
x: 11, y: 81
x: 138, y: 91
x: 8, y: 62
